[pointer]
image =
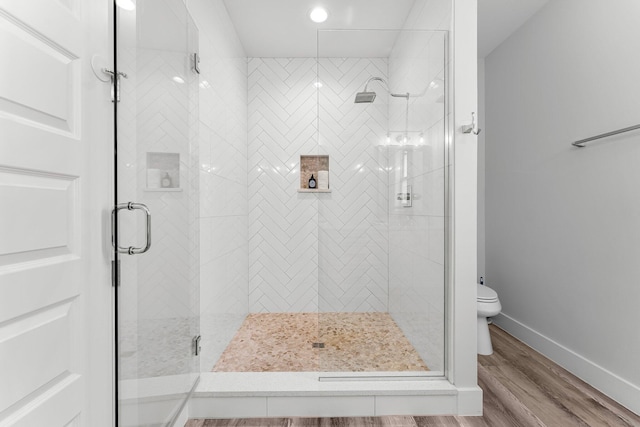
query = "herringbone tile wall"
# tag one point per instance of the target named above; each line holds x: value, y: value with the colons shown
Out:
x: 283, y: 224
x: 223, y: 179
x: 305, y: 245
x: 353, y: 225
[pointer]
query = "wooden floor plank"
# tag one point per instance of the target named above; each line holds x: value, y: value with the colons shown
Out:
x: 472, y: 422
x: 437, y: 421
x: 500, y: 406
x: 305, y: 422
x: 548, y: 384
x: 521, y: 388
x: 354, y: 422
x: 248, y: 422
x: 533, y: 397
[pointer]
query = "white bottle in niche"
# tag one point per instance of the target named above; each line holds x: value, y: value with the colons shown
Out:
x: 323, y: 180
x: 154, y: 178
x: 166, y: 180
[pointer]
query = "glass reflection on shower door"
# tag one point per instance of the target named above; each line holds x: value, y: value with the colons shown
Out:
x: 381, y: 230
x: 157, y: 294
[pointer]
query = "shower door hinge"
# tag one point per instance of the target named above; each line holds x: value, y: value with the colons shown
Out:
x: 115, y: 83
x: 115, y: 273
x: 195, y: 57
x: 197, y: 349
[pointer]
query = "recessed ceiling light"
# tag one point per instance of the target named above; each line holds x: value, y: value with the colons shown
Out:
x: 318, y: 15
x: 126, y: 4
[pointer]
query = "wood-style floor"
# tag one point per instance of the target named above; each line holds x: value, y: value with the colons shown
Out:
x: 521, y: 388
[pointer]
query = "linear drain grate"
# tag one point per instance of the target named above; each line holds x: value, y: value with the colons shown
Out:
x: 318, y: 345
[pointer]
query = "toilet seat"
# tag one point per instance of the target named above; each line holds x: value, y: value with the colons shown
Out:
x: 486, y: 294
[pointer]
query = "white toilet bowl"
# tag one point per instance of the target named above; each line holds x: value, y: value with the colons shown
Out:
x: 488, y: 306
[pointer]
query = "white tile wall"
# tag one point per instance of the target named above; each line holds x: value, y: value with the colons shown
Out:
x: 353, y: 237
x: 223, y: 179
x: 305, y: 245
x: 321, y: 406
x: 283, y: 225
x: 414, y: 405
x: 304, y: 397
x: 228, y: 407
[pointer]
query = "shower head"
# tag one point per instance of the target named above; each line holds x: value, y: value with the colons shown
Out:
x: 365, y: 97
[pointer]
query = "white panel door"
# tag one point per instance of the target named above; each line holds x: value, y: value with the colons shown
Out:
x: 50, y: 258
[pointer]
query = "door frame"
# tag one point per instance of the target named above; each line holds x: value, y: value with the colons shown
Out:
x: 100, y: 307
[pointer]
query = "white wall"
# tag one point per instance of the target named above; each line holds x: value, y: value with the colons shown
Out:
x: 563, y: 224
x: 463, y: 203
x: 223, y: 179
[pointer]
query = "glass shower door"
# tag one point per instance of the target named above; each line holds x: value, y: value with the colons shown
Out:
x: 156, y: 211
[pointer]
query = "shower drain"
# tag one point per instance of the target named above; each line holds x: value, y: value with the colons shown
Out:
x: 318, y: 345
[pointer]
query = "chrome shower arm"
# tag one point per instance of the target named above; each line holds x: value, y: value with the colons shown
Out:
x: 386, y: 86
x: 379, y: 79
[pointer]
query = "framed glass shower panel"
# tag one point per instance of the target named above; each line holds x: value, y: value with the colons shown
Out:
x: 381, y: 229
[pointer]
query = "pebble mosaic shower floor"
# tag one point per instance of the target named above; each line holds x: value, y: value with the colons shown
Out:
x: 284, y: 342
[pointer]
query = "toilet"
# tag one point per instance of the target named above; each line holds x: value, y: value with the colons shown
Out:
x: 488, y: 306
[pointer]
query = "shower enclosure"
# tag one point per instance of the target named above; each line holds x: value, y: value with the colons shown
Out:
x: 220, y: 236
x: 347, y: 278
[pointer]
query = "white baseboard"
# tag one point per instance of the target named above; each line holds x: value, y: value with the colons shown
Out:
x: 607, y: 382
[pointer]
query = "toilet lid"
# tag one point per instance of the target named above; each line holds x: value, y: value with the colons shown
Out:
x: 485, y: 293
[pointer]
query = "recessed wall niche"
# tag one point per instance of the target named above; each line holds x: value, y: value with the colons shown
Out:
x: 318, y: 166
x: 163, y: 171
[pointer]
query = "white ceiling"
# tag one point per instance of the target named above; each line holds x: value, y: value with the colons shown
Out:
x: 281, y: 28
x: 498, y: 19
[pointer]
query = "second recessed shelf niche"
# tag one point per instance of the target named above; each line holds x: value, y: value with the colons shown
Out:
x: 312, y: 165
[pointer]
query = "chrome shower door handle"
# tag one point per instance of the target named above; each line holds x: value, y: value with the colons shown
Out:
x: 130, y: 206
